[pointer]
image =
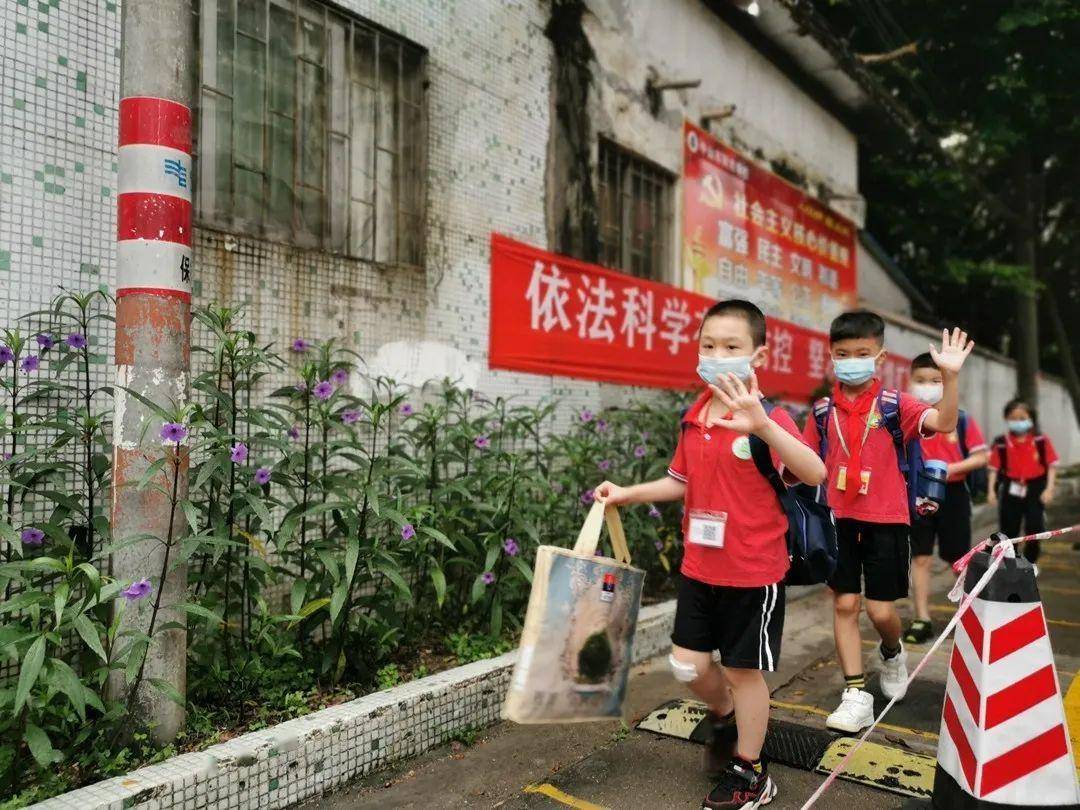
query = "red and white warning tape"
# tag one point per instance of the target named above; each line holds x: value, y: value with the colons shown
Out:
x: 1004, y: 548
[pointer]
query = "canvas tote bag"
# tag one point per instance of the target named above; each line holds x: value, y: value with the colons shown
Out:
x: 576, y: 646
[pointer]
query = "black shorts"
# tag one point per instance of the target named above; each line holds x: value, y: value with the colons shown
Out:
x: 744, y: 624
x: 877, y: 551
x: 950, y: 525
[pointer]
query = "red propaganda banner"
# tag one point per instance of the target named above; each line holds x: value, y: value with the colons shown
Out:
x: 551, y: 314
x: 747, y: 233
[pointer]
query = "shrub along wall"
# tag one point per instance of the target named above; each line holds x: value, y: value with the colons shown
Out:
x: 336, y: 542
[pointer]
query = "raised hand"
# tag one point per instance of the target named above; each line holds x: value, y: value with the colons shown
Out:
x: 955, y: 349
x: 746, y: 412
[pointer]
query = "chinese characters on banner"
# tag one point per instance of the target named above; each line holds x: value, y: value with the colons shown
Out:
x: 552, y: 314
x: 749, y: 234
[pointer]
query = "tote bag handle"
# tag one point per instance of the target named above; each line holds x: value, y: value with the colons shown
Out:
x: 589, y: 537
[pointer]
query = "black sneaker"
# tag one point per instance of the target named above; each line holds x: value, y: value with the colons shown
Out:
x: 720, y: 746
x: 919, y: 631
x: 741, y: 788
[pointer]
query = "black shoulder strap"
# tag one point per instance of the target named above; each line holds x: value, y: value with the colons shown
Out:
x: 961, y: 433
x: 1001, y: 448
x: 1040, y: 447
x: 759, y: 451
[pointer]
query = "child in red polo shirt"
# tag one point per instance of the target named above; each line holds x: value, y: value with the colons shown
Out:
x: 731, y: 592
x: 1023, y: 470
x: 950, y: 525
x: 869, y: 498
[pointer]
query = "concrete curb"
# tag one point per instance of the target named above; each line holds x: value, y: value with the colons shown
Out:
x: 302, y: 758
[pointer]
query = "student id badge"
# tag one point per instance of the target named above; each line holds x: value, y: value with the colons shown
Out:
x: 707, y: 528
x: 1018, y: 489
x: 841, y: 480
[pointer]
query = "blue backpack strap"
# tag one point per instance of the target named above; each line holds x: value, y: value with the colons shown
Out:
x: 822, y: 411
x: 961, y: 433
x: 759, y: 451
x: 889, y: 405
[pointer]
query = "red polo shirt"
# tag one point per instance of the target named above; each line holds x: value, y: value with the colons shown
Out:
x: 946, y: 447
x: 720, y: 477
x: 886, y: 500
x: 1022, y: 457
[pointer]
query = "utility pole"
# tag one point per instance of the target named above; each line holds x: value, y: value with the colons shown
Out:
x: 153, y: 342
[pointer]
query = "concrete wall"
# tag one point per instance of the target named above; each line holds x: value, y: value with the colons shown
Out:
x: 876, y: 287
x: 988, y: 382
x: 489, y: 107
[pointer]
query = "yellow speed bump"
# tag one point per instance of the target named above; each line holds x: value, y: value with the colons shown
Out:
x: 883, y: 767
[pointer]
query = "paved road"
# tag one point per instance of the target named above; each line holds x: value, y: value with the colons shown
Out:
x: 593, y: 766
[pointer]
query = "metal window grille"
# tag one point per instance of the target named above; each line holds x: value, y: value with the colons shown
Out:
x: 635, y: 213
x: 312, y: 129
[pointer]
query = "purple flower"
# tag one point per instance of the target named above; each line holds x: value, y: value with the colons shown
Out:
x: 136, y: 590
x: 30, y: 363
x: 586, y: 415
x: 659, y: 545
x: 173, y: 432
x: 301, y: 387
x: 644, y: 435
x: 587, y: 497
x: 408, y: 532
x: 350, y: 417
x: 639, y: 451
x: 32, y: 537
x: 654, y: 512
x: 339, y: 377
x: 602, y: 426
x: 510, y: 546
x: 76, y: 340
x: 239, y: 453
x: 262, y: 476
x: 45, y: 341
x: 487, y: 577
x: 6, y: 355
x: 482, y: 442
x: 300, y: 345
x: 324, y: 389
x: 406, y: 409
x: 294, y: 432
x: 604, y: 465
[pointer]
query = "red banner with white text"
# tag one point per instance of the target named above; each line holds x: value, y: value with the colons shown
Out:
x: 551, y: 314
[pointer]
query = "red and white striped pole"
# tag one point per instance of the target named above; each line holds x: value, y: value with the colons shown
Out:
x: 153, y: 323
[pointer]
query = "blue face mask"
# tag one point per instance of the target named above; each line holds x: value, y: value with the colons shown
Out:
x: 854, y: 370
x: 709, y: 368
x: 1019, y: 426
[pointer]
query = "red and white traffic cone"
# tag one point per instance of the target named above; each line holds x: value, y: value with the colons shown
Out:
x: 1004, y: 741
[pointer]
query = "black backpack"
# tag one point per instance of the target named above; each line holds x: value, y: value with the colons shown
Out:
x: 811, y: 535
x: 977, y: 480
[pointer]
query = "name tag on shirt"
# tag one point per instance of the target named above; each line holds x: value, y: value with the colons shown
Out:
x: 707, y: 528
x: 841, y: 480
x: 1017, y: 490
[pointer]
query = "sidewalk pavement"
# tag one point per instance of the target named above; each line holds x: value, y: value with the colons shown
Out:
x: 607, y: 765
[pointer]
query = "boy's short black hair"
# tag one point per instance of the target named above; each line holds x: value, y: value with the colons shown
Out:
x: 858, y: 323
x: 924, y: 360
x: 744, y: 309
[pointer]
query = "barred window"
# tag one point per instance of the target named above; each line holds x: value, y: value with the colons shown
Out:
x: 635, y: 213
x: 312, y: 129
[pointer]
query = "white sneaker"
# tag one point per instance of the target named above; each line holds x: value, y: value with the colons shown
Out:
x: 894, y: 674
x: 855, y: 712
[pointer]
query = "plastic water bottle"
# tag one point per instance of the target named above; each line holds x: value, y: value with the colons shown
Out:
x: 935, y: 475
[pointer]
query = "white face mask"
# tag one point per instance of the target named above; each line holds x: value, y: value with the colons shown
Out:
x: 930, y: 393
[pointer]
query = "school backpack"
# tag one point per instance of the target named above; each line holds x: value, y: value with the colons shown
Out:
x: 811, y: 534
x: 1001, y: 449
x: 908, y: 454
x: 977, y: 480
